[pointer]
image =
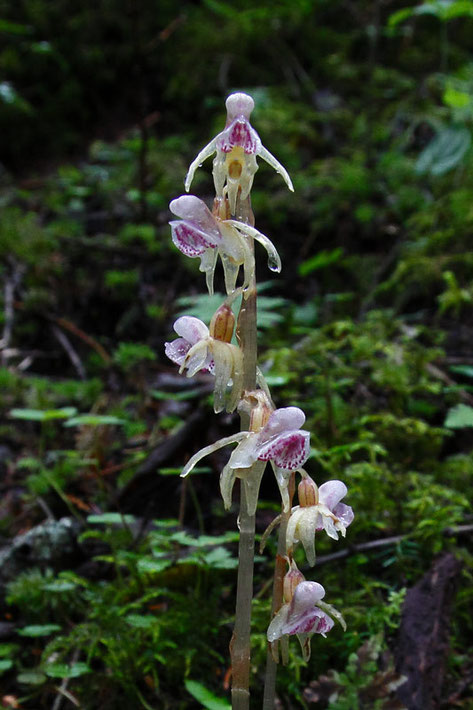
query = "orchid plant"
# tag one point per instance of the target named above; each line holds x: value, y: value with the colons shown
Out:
x: 267, y: 434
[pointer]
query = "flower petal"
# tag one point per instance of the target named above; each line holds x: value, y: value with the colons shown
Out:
x: 192, y: 329
x: 344, y: 513
x: 311, y: 621
x: 223, y: 369
x: 239, y: 104
x: 275, y: 629
x: 177, y: 350
x: 197, y: 162
x: 281, y: 420
x: 227, y: 481
x: 289, y: 450
x: 208, y: 262
x: 240, y: 134
x: 274, y: 260
x: 271, y: 160
x: 207, y: 450
x: 190, y: 240
x: 245, y: 453
x: 302, y: 526
x: 251, y: 480
x: 198, y: 358
x: 283, y: 477
x: 331, y: 493
x: 194, y: 210
x: 306, y: 595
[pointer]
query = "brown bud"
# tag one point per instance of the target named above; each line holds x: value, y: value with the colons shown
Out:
x: 308, y: 492
x: 261, y: 409
x: 222, y: 324
x: 291, y: 580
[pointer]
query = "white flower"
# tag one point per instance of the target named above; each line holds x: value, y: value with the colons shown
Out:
x: 320, y: 509
x: 280, y: 441
x: 197, y: 350
x: 199, y: 233
x: 301, y: 616
x: 236, y: 148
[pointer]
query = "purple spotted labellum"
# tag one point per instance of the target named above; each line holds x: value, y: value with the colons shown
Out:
x: 301, y: 616
x: 236, y: 148
x: 280, y: 441
x: 199, y: 233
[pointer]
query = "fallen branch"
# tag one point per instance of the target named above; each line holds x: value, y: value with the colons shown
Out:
x: 383, y: 542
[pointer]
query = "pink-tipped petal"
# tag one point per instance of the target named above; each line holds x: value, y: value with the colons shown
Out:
x: 190, y: 240
x: 239, y: 104
x: 344, y: 513
x: 191, y: 329
x: 192, y: 209
x: 288, y: 451
x: 177, y: 350
x: 313, y: 621
x: 331, y: 493
x: 282, y: 420
x: 301, y: 616
x: 239, y: 134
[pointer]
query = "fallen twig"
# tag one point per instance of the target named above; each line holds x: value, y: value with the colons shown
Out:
x: 73, y: 356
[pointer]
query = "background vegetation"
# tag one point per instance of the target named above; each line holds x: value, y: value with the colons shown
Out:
x: 117, y: 579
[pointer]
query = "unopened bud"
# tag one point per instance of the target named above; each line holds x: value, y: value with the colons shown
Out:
x: 291, y: 580
x: 308, y: 492
x: 222, y: 324
x: 261, y: 409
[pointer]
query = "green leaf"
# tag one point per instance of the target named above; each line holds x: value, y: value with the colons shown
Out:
x: 111, y: 519
x: 93, y: 420
x: 31, y: 678
x: 37, y: 630
x: 459, y: 417
x: 5, y: 665
x: 176, y: 396
x: 13, y: 28
x: 205, y: 696
x: 60, y: 585
x: 203, y: 540
x: 465, y: 370
x: 150, y: 566
x: 141, y: 621
x: 399, y: 16
x: 444, y: 152
x: 456, y: 99
x: 63, y: 670
x: 43, y: 415
x: 320, y: 260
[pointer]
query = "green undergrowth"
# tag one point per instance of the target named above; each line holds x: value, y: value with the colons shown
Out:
x: 369, y: 331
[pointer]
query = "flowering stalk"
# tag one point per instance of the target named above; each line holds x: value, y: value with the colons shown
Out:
x: 240, y: 644
x: 266, y: 434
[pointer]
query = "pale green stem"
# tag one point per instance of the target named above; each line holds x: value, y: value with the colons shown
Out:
x: 279, y: 572
x: 240, y: 644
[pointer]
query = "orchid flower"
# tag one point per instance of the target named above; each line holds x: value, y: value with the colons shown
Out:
x: 198, y: 350
x: 236, y: 148
x: 280, y: 441
x: 303, y: 614
x: 199, y: 233
x: 319, y: 509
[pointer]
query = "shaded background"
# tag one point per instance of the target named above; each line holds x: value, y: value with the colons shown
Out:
x: 103, y: 105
